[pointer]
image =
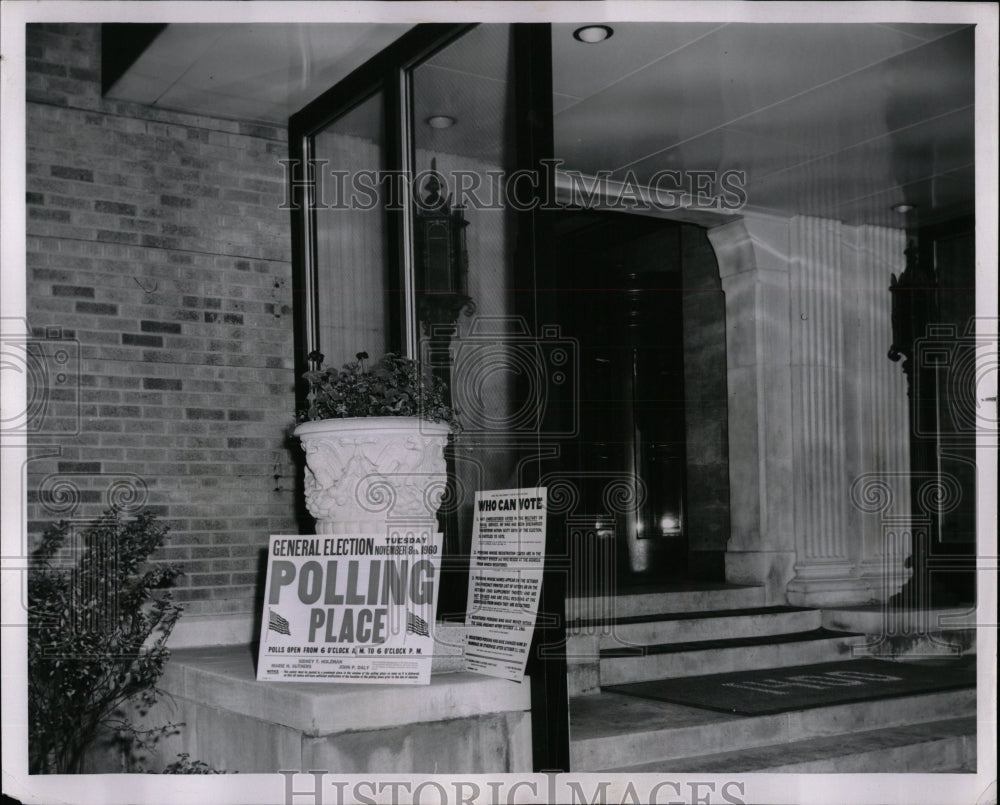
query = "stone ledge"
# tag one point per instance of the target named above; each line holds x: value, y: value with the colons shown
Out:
x: 871, y: 618
x: 224, y: 677
x: 898, y: 634
x: 241, y: 629
x: 192, y: 631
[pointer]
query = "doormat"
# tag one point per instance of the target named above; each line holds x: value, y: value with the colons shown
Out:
x: 778, y: 690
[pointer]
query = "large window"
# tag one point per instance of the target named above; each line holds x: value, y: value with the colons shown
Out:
x: 354, y: 287
x: 405, y: 240
x: 463, y: 244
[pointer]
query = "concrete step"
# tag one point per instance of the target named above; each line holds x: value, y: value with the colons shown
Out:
x: 694, y: 598
x: 935, y: 746
x: 686, y: 627
x: 671, y: 660
x: 611, y: 731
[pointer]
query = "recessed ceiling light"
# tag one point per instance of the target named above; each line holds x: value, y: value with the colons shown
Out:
x: 592, y: 34
x: 903, y: 208
x: 441, y: 121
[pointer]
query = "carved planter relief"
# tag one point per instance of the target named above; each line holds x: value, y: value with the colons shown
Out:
x: 363, y: 473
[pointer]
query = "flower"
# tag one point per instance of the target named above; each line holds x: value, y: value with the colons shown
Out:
x: 394, y: 386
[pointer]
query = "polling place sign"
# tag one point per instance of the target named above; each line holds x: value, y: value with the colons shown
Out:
x: 350, y: 607
x: 505, y: 580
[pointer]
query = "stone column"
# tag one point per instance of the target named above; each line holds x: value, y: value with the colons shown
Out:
x: 754, y: 267
x: 827, y: 553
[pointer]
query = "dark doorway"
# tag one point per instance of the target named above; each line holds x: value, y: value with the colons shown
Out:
x: 618, y: 282
x: 934, y: 330
x: 943, y: 397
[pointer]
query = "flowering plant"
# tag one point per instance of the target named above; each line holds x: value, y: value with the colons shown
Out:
x: 394, y: 386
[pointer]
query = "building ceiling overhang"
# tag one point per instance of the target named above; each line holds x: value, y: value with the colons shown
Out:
x: 843, y: 121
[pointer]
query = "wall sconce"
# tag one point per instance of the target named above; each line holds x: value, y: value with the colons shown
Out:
x: 442, y: 259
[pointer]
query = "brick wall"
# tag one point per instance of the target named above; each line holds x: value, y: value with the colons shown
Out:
x: 156, y: 244
x: 706, y: 410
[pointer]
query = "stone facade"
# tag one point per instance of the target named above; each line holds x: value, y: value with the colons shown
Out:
x: 705, y: 415
x: 460, y: 721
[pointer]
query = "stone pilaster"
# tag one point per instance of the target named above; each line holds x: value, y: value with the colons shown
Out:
x: 753, y: 264
x: 818, y: 425
x: 878, y: 451
x: 827, y: 553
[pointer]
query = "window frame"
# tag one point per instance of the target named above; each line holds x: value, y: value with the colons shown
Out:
x: 384, y: 73
x: 390, y: 71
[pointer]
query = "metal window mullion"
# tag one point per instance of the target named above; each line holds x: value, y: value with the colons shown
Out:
x: 405, y: 129
x: 311, y: 275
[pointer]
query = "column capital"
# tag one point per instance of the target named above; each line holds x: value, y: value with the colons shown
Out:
x: 754, y: 242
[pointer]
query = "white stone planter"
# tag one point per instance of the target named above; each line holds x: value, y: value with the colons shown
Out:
x: 363, y: 472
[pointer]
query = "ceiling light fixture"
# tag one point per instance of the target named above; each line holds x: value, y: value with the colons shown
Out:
x: 592, y: 34
x: 902, y: 209
x: 441, y: 121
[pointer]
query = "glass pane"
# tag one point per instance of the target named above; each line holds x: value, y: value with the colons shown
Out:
x: 352, y: 278
x: 463, y: 253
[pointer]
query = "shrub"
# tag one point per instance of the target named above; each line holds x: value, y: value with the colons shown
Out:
x: 184, y: 765
x: 99, y: 615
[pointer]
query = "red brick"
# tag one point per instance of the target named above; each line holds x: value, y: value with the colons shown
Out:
x: 144, y: 220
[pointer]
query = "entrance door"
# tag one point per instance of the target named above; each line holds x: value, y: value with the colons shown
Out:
x: 618, y: 277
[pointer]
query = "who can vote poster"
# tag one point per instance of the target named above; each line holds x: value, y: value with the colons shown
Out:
x: 350, y: 608
x: 505, y: 580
